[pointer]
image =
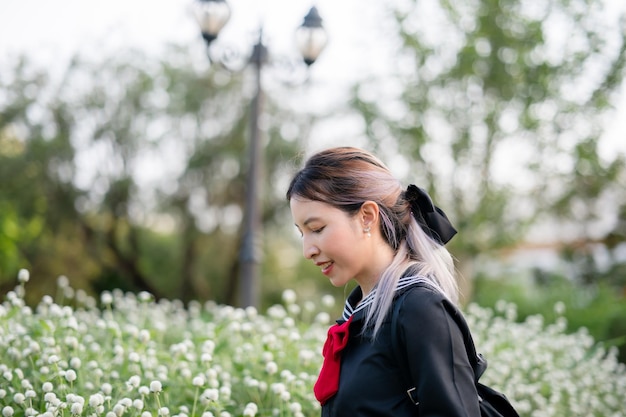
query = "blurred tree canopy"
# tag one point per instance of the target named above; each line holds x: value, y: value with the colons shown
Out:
x: 129, y: 173
x: 500, y: 107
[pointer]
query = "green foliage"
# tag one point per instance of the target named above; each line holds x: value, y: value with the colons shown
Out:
x: 500, y: 116
x: 599, y: 308
x: 130, y: 173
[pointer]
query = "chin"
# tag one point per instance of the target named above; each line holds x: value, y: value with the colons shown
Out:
x: 338, y: 282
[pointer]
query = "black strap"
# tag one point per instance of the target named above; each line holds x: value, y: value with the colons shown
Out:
x: 492, y: 403
x: 477, y: 361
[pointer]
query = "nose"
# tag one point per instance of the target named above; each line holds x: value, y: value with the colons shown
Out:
x: 309, y: 249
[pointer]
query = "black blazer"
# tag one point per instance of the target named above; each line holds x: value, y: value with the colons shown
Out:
x: 371, y: 383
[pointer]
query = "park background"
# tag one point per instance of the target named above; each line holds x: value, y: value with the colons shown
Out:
x: 123, y: 151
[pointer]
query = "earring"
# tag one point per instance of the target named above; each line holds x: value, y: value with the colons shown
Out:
x: 367, y: 230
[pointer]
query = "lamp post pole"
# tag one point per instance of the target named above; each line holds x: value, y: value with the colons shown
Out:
x: 251, y: 253
x: 212, y: 15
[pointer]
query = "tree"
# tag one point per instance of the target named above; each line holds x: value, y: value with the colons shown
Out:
x: 501, y: 106
x: 140, y: 163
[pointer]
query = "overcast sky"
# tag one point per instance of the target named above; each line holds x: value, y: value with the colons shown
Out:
x: 51, y: 31
x: 48, y: 30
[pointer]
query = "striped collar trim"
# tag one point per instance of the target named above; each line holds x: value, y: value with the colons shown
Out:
x: 349, y: 309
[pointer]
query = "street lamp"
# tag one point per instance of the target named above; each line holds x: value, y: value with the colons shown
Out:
x: 212, y: 16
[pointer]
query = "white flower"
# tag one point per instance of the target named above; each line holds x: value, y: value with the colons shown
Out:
x: 76, y: 408
x: 70, y: 375
x: 225, y: 392
x: 47, y: 387
x: 295, y: 407
x: 146, y: 414
x: 75, y: 362
x: 278, y: 387
x: 106, y: 298
x: 126, y: 402
x: 143, y: 390
x: 211, y: 394
x: 289, y: 296
x: 250, y: 410
x: 106, y: 388
x: 134, y: 381
x: 7, y: 411
x: 119, y: 409
x: 198, y: 381
x: 138, y: 404
x: 559, y: 308
x: 63, y: 282
x: 144, y: 296
x: 23, y: 275
x: 19, y: 398
x: 271, y: 368
x: 96, y: 400
x: 328, y: 301
x: 155, y: 386
x: 294, y: 309
x: 251, y: 312
x: 144, y: 336
x: 164, y: 411
x: 322, y: 318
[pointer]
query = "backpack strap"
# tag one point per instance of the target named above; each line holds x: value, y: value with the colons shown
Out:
x: 477, y: 361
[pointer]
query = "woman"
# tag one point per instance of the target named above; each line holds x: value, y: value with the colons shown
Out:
x: 358, y: 223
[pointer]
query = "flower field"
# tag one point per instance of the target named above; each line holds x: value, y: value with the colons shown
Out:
x: 128, y: 355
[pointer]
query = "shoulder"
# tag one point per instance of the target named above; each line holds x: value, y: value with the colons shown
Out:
x: 425, y: 304
x: 419, y: 297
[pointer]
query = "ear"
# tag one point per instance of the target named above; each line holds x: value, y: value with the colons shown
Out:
x: 368, y: 214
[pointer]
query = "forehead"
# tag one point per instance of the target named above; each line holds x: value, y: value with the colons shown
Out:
x: 304, y: 211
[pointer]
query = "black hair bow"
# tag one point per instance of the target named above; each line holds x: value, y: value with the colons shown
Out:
x: 430, y: 217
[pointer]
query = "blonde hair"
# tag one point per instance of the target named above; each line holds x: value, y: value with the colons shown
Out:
x: 345, y: 177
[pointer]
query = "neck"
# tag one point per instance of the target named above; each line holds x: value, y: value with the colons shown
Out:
x: 383, y: 257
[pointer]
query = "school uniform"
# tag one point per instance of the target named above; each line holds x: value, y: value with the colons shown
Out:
x: 371, y: 383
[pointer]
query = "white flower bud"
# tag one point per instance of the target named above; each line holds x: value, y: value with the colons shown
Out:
x: 23, y: 275
x: 198, y: 381
x: 155, y: 386
x: 70, y: 375
x: 289, y: 296
x: 76, y: 408
x: 106, y: 298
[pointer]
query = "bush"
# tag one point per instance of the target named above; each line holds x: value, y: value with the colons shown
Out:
x: 599, y: 308
x: 133, y: 356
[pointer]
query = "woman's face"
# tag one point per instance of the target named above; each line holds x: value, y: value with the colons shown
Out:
x: 335, y: 241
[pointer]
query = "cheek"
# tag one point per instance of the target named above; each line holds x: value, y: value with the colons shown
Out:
x: 342, y: 244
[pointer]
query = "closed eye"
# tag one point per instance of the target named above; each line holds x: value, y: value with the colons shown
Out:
x: 318, y: 230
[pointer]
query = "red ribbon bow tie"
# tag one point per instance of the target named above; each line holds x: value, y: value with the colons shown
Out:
x: 328, y: 380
